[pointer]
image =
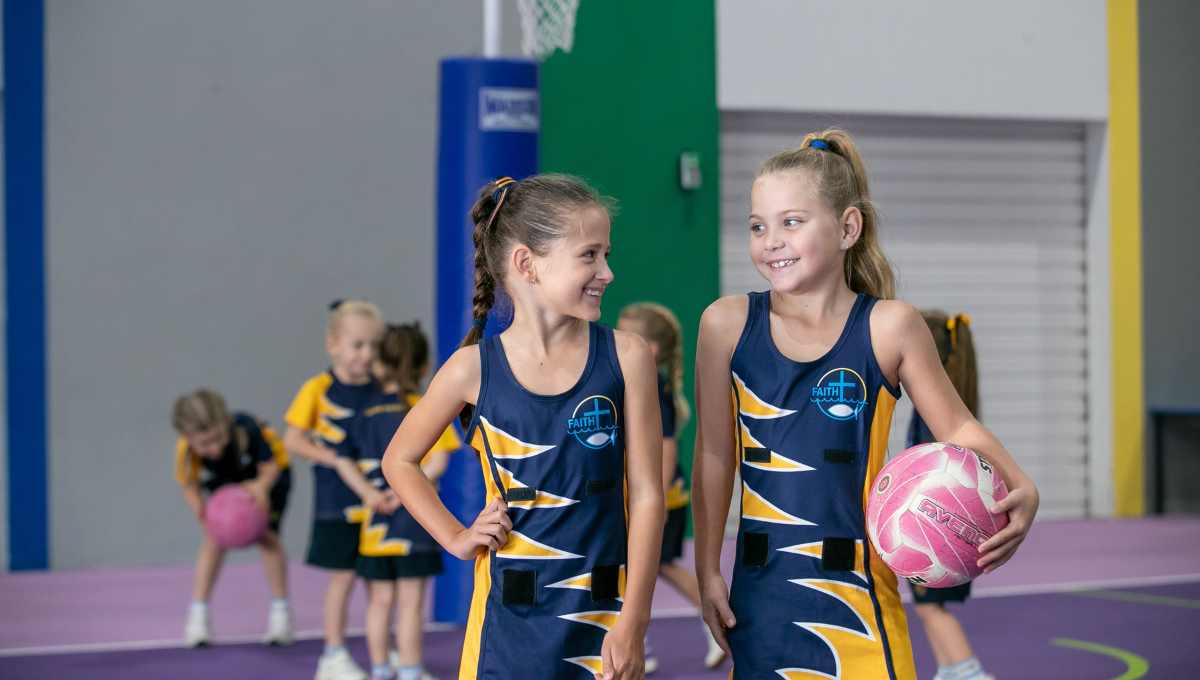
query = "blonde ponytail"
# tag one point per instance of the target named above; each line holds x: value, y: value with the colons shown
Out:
x: 837, y: 168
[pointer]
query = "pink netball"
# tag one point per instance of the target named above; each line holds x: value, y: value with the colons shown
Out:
x: 928, y: 513
x: 233, y: 518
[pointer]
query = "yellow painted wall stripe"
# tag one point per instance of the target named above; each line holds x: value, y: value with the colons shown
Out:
x: 1128, y: 398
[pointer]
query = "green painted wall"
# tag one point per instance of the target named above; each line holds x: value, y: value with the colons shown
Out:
x: 638, y: 88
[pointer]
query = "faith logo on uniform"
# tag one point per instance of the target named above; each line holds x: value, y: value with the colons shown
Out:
x: 594, y: 422
x: 841, y: 394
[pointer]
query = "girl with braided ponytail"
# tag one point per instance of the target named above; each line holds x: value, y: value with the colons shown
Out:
x: 565, y: 420
x: 815, y: 366
x: 660, y: 329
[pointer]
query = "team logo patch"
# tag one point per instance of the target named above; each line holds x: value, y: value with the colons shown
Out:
x: 594, y: 422
x: 841, y: 394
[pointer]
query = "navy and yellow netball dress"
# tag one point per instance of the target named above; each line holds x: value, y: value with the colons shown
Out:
x: 325, y: 406
x: 543, y: 602
x: 811, y: 598
x: 397, y: 534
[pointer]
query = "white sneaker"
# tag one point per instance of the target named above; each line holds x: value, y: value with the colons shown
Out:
x: 651, y: 664
x: 198, y: 630
x: 715, y: 655
x: 651, y: 661
x: 279, y: 626
x: 339, y: 666
x: 394, y: 662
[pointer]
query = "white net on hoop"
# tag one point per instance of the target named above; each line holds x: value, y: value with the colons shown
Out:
x: 547, y: 25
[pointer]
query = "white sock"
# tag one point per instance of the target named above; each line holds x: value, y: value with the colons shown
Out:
x: 279, y: 603
x: 970, y: 669
x: 199, y: 607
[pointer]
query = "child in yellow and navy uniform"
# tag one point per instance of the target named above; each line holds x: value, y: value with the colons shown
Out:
x: 815, y: 366
x: 396, y: 555
x: 660, y: 328
x: 951, y: 649
x: 566, y: 426
x: 216, y: 448
x: 316, y: 422
x: 326, y: 406
x: 676, y: 493
x: 805, y: 462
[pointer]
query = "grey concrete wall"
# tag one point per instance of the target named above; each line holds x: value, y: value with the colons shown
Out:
x: 217, y: 172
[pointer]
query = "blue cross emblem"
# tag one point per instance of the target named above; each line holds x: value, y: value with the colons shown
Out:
x: 832, y: 398
x: 841, y: 384
x: 596, y: 412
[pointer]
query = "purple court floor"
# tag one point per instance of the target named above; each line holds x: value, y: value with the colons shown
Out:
x: 1083, y: 599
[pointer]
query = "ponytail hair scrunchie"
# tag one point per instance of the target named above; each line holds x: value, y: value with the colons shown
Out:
x: 503, y: 186
x: 952, y: 324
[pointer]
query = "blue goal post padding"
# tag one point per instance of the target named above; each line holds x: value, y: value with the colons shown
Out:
x: 488, y: 123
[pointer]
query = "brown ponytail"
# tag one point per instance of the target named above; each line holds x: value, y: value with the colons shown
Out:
x: 483, y: 216
x: 403, y: 356
x: 956, y: 349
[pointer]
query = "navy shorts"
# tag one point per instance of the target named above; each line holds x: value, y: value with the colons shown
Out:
x: 672, y: 542
x: 923, y: 595
x: 392, y: 567
x: 333, y: 544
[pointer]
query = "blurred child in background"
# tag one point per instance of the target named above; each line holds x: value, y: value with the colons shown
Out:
x: 316, y: 423
x: 216, y: 448
x: 951, y: 649
x: 659, y: 327
x: 396, y: 555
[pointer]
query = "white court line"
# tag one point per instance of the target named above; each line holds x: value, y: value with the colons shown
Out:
x: 1017, y: 590
x: 678, y: 612
x: 1098, y: 584
x: 176, y: 643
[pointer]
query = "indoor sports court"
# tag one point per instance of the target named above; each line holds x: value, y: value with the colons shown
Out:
x: 198, y: 195
x: 1089, y: 599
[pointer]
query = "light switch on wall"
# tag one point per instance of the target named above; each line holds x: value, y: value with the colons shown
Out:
x: 690, y: 177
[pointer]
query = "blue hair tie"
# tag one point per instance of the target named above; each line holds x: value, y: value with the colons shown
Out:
x: 818, y: 144
x: 480, y: 322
